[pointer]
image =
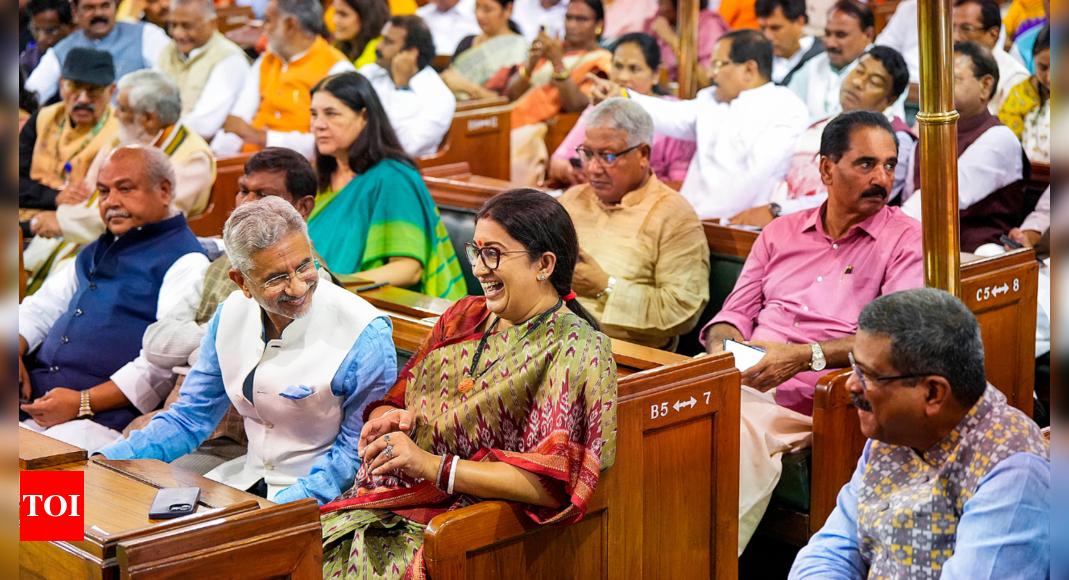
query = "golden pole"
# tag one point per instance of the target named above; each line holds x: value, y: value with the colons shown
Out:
x: 938, y: 126
x: 687, y: 20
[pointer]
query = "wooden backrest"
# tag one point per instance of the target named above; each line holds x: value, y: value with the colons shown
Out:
x: 667, y: 508
x: 882, y: 11
x: 559, y: 127
x: 229, y: 18
x: 728, y: 248
x: 480, y: 136
x: 837, y: 445
x: 1002, y: 292
x: 1039, y: 178
x: 223, y: 199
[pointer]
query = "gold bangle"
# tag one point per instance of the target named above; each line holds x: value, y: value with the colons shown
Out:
x: 561, y: 76
x: 523, y: 72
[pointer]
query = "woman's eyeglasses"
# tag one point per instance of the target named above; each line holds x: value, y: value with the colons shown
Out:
x: 307, y: 272
x: 865, y: 380
x: 606, y: 158
x: 490, y: 255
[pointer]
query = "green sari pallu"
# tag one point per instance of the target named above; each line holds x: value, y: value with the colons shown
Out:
x: 386, y: 212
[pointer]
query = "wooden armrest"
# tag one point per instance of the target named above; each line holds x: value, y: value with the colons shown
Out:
x: 474, y: 527
x: 481, y: 103
x: 837, y: 444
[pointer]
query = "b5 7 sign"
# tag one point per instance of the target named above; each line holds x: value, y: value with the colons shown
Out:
x: 51, y: 506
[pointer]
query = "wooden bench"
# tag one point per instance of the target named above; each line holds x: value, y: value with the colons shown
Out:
x: 232, y: 534
x: 229, y: 18
x: 480, y: 136
x: 224, y: 197
x: 559, y: 127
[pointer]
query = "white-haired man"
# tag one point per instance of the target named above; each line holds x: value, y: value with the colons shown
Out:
x: 147, y: 264
x: 283, y: 349
x: 148, y: 111
x: 209, y: 69
x: 644, y: 260
x: 273, y: 107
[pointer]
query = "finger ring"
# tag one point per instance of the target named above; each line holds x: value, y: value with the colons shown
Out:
x: 386, y: 438
x: 388, y: 451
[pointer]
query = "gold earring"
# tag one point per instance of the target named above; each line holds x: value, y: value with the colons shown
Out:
x: 598, y: 32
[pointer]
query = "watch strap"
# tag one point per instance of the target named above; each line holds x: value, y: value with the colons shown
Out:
x: 85, y: 409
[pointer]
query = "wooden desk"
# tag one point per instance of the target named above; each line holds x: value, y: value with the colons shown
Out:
x: 464, y: 189
x: 37, y: 451
x: 233, y: 534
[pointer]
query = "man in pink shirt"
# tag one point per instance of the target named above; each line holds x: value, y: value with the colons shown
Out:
x: 810, y: 273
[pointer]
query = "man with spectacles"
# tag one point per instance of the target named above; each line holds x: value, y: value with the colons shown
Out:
x: 804, y: 283
x: 132, y: 45
x: 50, y: 22
x: 643, y: 267
x: 209, y: 69
x: 745, y: 127
x: 58, y: 143
x: 953, y: 482
x: 981, y: 21
x: 297, y: 359
x: 81, y: 368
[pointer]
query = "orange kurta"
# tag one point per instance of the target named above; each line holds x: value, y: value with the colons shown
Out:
x: 739, y: 13
x: 286, y: 88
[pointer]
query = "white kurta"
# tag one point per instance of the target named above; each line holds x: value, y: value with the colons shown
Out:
x: 781, y: 66
x: 992, y: 162
x: 421, y: 114
x: 283, y: 443
x: 450, y: 27
x: 818, y: 84
x: 744, y: 147
x: 531, y: 16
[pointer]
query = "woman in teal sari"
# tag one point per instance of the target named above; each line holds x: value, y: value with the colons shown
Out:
x: 374, y: 217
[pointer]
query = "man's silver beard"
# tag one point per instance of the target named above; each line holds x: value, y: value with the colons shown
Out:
x: 273, y: 308
x: 135, y: 135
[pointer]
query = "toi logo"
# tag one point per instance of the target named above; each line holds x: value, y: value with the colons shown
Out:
x: 51, y: 506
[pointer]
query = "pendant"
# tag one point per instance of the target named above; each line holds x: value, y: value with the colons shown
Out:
x: 466, y: 384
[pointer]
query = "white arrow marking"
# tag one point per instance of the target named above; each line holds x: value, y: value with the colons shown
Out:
x: 689, y: 403
x: 1001, y: 290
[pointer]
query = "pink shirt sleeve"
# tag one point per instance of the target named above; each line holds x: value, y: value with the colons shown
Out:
x: 905, y: 271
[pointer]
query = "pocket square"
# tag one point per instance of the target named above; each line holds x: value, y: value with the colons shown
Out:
x: 296, y: 392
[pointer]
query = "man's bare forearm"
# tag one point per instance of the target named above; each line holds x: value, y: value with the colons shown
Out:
x: 718, y: 333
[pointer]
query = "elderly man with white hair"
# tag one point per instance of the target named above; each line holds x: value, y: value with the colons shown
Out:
x: 644, y: 260
x: 298, y: 360
x: 148, y: 111
x: 148, y: 263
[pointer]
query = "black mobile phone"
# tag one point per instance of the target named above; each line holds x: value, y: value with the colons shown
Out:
x: 174, y: 502
x: 576, y: 163
x: 1010, y: 242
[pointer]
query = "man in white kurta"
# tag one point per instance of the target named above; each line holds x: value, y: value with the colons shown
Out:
x: 745, y: 127
x: 298, y: 361
x: 450, y: 21
x: 418, y: 103
x: 849, y: 34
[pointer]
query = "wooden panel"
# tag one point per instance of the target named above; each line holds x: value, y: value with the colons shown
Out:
x: 559, y: 127
x: 729, y: 241
x: 223, y: 198
x: 1040, y: 177
x: 38, y: 451
x: 480, y: 135
x: 837, y: 445
x: 576, y: 551
x: 229, y: 18
x: 1002, y: 293
x: 883, y: 12
x: 467, y: 191
x: 402, y: 301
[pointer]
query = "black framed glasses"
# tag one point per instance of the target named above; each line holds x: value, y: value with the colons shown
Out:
x: 490, y: 255
x: 865, y: 380
x: 606, y: 158
x: 307, y: 272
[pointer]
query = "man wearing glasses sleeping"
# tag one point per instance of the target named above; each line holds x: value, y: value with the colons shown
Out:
x: 298, y: 360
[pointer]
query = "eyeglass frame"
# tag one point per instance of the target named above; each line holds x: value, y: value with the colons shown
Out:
x: 864, y: 381
x: 600, y: 155
x: 716, y: 65
x: 288, y: 278
x: 480, y: 256
x: 79, y: 87
x: 966, y: 28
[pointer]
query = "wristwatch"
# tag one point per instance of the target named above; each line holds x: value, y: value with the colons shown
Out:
x: 818, y: 362
x: 775, y: 209
x: 607, y: 290
x: 84, y: 410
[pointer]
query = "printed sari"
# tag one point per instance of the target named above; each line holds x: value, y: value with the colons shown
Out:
x: 479, y: 64
x: 548, y: 406
x: 384, y: 212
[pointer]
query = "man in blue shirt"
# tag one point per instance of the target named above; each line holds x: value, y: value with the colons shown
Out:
x: 299, y: 362
x: 953, y: 483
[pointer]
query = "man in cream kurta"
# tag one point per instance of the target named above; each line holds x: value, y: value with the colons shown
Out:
x: 299, y: 361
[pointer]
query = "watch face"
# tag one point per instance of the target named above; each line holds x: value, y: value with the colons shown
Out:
x: 819, y: 365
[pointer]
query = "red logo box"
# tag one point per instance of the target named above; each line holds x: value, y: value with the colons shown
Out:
x: 51, y: 506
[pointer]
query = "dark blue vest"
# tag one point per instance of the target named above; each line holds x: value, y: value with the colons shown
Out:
x: 119, y: 284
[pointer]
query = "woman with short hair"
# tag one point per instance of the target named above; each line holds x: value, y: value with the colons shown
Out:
x: 374, y: 217
x: 512, y: 397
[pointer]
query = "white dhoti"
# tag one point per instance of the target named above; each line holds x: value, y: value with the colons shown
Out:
x: 767, y: 431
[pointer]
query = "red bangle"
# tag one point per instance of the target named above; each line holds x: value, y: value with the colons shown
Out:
x: 443, y: 472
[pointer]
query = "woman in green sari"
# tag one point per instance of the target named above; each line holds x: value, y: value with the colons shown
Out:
x: 512, y: 396
x: 374, y: 217
x: 479, y: 58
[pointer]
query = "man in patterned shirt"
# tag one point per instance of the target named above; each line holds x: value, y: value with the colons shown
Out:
x: 953, y: 483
